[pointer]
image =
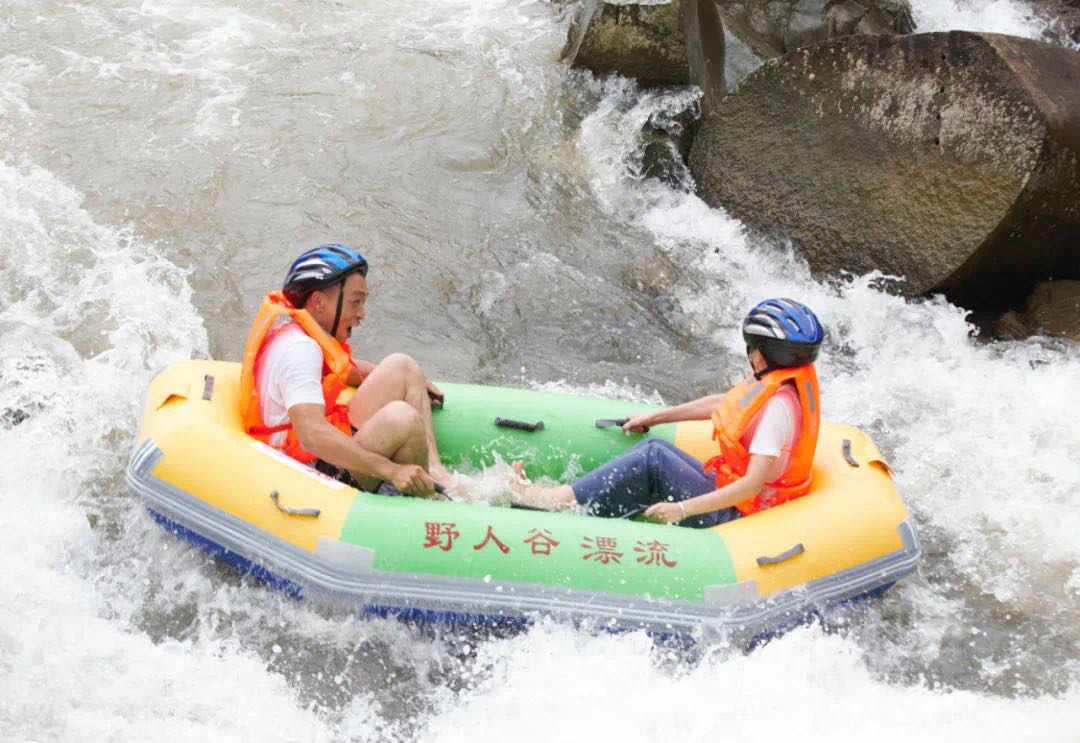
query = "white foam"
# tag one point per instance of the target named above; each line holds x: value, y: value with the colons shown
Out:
x: 982, y: 435
x: 994, y: 16
x: 555, y: 684
x: 111, y: 629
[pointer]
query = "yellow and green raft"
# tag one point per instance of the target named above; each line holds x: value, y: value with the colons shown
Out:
x: 202, y: 477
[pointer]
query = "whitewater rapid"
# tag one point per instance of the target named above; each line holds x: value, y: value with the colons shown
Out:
x: 160, y: 163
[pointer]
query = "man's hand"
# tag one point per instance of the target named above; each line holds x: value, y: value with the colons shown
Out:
x: 434, y: 394
x: 411, y: 479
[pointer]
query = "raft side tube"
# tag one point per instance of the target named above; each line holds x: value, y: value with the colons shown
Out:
x: 342, y: 574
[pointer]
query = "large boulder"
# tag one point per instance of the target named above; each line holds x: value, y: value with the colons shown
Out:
x: 774, y: 27
x: 951, y: 159
x: 639, y: 40
x: 714, y: 43
x: 733, y: 37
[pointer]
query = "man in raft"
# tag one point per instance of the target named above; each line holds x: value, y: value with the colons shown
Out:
x: 297, y: 362
x: 766, y: 426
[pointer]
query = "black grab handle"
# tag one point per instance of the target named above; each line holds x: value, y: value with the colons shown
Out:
x: 846, y: 448
x: 798, y: 549
x: 519, y: 425
x: 313, y: 512
x: 620, y: 422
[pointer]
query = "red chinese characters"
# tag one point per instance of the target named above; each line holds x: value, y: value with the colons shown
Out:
x: 541, y: 541
x: 653, y: 553
x: 440, y: 534
x: 490, y: 537
x: 603, y: 550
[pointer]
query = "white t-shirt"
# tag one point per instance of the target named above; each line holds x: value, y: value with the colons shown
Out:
x: 774, y: 432
x: 288, y: 372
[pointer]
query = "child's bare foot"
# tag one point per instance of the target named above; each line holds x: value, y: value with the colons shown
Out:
x: 529, y: 494
x: 519, y: 481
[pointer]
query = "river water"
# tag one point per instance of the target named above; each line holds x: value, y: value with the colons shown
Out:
x: 161, y: 161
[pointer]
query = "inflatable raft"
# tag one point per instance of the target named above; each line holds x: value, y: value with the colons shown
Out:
x: 203, y: 478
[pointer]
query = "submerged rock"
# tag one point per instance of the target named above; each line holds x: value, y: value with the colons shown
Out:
x: 1054, y: 309
x: 1011, y: 326
x: 668, y: 137
x: 951, y: 159
x: 1062, y: 19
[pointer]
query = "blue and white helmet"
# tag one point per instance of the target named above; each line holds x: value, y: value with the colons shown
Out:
x: 319, y: 268
x: 785, y: 331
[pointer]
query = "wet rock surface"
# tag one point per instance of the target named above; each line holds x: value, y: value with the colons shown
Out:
x: 1063, y: 21
x: 774, y: 27
x: 714, y: 43
x: 1054, y: 309
x: 951, y: 159
x: 643, y: 41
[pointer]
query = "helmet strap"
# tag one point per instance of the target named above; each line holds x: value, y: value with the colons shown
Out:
x: 337, y: 314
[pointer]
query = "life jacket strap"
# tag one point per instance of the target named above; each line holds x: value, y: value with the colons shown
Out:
x: 269, y: 430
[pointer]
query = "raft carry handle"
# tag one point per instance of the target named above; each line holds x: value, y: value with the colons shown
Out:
x: 313, y: 512
x: 620, y: 422
x: 520, y: 425
x: 208, y: 387
x: 847, y: 453
x: 798, y: 549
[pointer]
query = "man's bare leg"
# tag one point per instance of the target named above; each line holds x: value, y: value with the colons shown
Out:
x: 399, y: 377
x: 397, y: 433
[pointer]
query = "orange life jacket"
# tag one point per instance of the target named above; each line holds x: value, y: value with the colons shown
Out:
x: 734, y: 415
x: 337, y: 362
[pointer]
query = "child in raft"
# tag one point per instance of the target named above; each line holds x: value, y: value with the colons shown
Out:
x: 766, y: 426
